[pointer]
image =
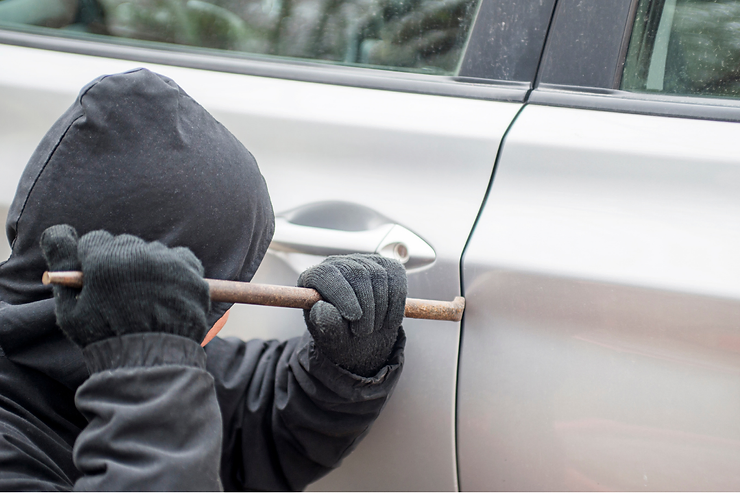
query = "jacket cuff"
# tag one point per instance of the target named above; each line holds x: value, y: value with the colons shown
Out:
x: 144, y: 349
x: 347, y: 384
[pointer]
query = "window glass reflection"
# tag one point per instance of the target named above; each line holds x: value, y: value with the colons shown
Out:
x: 416, y: 35
x: 689, y: 47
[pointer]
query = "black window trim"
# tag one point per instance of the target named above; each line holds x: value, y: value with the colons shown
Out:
x: 283, y: 68
x: 584, y: 43
x: 626, y: 36
x: 616, y: 100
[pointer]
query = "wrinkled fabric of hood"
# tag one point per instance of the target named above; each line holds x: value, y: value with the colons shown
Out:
x: 134, y: 154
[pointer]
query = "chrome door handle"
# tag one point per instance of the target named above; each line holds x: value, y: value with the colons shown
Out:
x: 389, y: 239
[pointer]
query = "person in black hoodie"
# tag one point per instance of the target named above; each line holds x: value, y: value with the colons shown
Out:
x: 108, y: 388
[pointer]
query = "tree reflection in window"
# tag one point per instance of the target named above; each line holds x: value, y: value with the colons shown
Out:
x: 416, y: 35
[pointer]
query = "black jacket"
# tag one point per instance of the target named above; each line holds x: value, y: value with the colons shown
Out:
x: 134, y: 154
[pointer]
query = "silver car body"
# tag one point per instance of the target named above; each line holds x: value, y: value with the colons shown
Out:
x: 601, y: 345
x: 593, y: 231
x: 427, y: 164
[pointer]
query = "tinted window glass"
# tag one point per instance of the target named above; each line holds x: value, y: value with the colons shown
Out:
x: 415, y: 35
x: 689, y: 47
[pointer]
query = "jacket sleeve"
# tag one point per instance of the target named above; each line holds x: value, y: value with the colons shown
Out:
x: 154, y: 421
x: 289, y: 414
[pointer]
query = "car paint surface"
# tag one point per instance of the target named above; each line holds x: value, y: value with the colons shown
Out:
x: 600, y: 346
x: 419, y: 160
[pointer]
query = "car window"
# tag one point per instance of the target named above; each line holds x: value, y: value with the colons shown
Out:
x: 685, y: 47
x: 426, y: 36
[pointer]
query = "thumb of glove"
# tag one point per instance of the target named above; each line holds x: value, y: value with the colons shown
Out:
x: 326, y: 324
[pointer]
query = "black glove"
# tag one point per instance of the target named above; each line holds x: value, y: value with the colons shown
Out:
x: 357, y: 324
x: 130, y: 286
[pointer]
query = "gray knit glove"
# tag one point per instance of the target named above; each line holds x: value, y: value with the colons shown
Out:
x: 357, y: 324
x: 130, y: 286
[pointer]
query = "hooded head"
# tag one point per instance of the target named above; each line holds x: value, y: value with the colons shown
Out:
x: 134, y: 154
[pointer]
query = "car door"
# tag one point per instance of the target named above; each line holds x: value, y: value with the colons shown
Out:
x: 358, y: 155
x: 600, y: 343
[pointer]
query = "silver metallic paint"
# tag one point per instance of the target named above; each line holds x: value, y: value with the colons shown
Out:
x: 601, y: 340
x: 422, y: 161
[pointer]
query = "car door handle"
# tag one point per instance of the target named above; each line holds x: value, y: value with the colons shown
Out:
x: 388, y: 239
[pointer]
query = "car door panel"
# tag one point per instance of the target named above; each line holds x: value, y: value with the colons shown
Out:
x: 430, y: 168
x: 600, y: 344
x: 421, y: 161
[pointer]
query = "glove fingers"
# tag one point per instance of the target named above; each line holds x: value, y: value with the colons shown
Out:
x: 328, y: 280
x: 195, y: 284
x: 379, y: 282
x: 95, y: 250
x: 91, y: 245
x: 130, y: 286
x: 397, y: 291
x: 360, y: 278
x: 376, y: 286
x: 187, y: 256
x: 59, y: 247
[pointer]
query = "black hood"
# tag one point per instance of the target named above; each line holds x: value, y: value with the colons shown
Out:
x: 134, y: 154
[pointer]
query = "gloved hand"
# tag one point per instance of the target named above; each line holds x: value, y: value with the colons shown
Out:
x: 130, y: 286
x: 357, y: 324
